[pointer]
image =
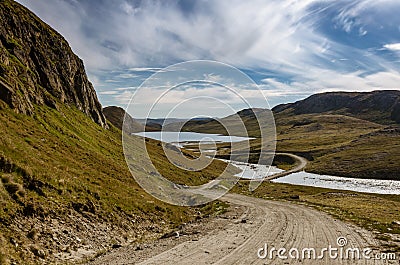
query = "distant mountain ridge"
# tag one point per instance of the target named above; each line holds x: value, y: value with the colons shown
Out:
x: 248, y: 117
x: 38, y: 67
x: 381, y: 106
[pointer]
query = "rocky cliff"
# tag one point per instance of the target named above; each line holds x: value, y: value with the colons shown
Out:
x: 38, y: 67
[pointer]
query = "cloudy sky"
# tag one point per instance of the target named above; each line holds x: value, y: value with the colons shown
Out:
x: 291, y: 48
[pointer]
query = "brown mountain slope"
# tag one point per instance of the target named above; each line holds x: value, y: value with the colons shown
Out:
x: 341, y: 145
x: 378, y: 106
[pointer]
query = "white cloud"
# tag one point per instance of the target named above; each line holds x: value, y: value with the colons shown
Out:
x: 263, y: 34
x: 158, y: 33
x: 362, y: 31
x: 283, y: 37
x: 109, y: 92
x: 127, y: 76
x: 144, y: 69
x: 327, y: 80
x: 355, y: 14
x: 392, y: 46
x: 123, y: 98
x: 111, y: 81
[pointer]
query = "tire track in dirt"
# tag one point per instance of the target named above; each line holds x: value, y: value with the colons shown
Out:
x: 278, y: 224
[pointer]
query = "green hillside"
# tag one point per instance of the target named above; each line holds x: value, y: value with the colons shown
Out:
x: 341, y: 145
x: 65, y: 190
x: 60, y: 165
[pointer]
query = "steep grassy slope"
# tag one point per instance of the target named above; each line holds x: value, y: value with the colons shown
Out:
x: 59, y: 170
x: 65, y: 189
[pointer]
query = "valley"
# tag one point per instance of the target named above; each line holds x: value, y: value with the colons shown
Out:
x: 334, y: 143
x: 70, y: 170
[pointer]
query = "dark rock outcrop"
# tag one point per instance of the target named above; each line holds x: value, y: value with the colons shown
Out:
x: 38, y: 67
x: 116, y: 116
x: 395, y: 115
x: 377, y: 106
x: 250, y: 113
x: 153, y: 127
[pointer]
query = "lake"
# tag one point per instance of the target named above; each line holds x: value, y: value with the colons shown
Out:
x: 180, y: 138
x: 255, y: 171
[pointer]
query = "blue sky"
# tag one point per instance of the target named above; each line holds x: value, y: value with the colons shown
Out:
x: 290, y: 48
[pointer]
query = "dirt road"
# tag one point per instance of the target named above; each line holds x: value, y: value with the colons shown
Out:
x: 237, y: 240
x: 301, y: 163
